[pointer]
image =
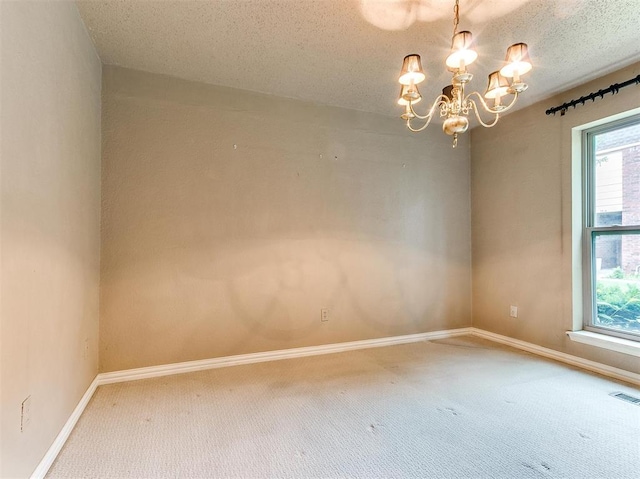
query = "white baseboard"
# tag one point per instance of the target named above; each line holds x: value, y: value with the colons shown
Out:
x: 192, y: 366
x: 593, y: 366
x: 64, y: 434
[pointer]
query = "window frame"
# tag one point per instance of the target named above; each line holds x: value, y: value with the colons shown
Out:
x: 589, y: 231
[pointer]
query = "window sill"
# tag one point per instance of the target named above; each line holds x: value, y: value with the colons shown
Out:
x: 612, y: 343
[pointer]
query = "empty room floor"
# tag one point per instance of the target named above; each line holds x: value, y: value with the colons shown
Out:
x: 459, y: 407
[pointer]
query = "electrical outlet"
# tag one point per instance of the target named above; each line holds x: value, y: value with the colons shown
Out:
x: 324, y: 315
x: 25, y: 414
x: 85, y: 349
x: 513, y: 311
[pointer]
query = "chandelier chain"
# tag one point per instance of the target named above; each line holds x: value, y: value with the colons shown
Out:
x: 456, y: 17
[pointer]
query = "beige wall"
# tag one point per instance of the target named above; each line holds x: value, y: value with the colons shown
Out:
x: 210, y: 250
x: 522, y: 229
x: 50, y: 223
x: 228, y: 223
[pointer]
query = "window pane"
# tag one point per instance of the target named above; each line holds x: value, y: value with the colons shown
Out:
x: 617, y: 177
x: 618, y: 281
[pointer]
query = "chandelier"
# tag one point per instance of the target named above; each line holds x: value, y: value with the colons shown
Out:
x: 454, y: 104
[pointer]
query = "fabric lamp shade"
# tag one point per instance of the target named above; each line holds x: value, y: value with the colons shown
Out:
x: 411, y: 70
x: 409, y: 93
x: 497, y: 86
x: 461, y: 52
x: 518, y: 61
x: 448, y: 91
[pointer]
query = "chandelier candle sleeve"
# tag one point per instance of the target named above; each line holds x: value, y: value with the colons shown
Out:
x: 408, y: 114
x: 455, y: 104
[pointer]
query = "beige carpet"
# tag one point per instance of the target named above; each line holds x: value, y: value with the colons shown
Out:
x: 448, y: 409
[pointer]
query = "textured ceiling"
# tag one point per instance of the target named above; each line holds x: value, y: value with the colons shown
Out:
x: 349, y: 52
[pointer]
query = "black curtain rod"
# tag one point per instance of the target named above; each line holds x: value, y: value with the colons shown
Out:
x: 613, y: 89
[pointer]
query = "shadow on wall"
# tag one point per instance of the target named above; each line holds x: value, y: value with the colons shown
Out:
x: 274, y: 291
x: 401, y: 14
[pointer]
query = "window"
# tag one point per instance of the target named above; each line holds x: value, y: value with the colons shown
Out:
x: 611, y: 231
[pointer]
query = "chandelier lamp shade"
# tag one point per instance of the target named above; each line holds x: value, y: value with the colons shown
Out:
x: 455, y: 104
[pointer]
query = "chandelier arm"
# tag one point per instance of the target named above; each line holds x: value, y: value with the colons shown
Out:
x: 486, y: 125
x: 415, y: 130
x: 439, y: 99
x: 426, y: 124
x: 487, y: 107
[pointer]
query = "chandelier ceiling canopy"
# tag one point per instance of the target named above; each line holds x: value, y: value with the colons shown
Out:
x: 454, y: 104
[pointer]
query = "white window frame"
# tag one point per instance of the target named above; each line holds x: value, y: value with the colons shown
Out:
x: 589, y: 230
